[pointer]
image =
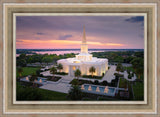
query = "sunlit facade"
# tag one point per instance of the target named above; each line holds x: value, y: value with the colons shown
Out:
x: 84, y: 61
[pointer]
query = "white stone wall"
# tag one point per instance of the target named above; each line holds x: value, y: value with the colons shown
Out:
x: 101, y: 67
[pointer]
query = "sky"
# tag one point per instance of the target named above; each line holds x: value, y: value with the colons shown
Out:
x: 66, y: 32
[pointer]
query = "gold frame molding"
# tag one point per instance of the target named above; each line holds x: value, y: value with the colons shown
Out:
x: 8, y: 44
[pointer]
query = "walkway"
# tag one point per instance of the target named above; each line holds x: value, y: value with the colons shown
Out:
x: 64, y: 86
x: 109, y: 76
x: 61, y: 86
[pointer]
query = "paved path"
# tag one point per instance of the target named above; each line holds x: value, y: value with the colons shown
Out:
x: 109, y: 76
x: 64, y: 86
x: 59, y: 87
x: 126, y: 76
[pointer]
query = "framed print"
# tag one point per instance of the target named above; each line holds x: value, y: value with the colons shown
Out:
x: 80, y: 58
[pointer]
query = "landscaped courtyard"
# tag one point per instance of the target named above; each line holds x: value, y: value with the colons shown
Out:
x: 60, y: 85
x: 123, y: 81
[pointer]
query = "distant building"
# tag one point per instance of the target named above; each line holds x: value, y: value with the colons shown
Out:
x: 84, y: 61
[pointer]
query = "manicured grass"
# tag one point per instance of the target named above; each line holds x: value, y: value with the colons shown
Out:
x: 138, y: 90
x: 122, y: 83
x: 37, y: 94
x: 27, y: 71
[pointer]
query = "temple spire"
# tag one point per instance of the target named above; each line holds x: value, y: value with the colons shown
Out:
x: 84, y: 46
x: 84, y: 35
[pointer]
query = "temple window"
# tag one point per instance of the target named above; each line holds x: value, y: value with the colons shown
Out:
x: 74, y: 68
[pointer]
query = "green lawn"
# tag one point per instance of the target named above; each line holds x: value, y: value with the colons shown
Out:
x: 27, y: 71
x: 122, y: 83
x: 37, y: 94
x: 138, y: 90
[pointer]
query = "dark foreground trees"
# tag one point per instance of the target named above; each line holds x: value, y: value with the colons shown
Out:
x: 75, y: 93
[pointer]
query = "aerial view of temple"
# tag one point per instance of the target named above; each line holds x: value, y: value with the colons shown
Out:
x: 84, y: 61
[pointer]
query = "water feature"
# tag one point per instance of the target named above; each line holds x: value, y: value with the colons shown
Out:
x: 97, y: 89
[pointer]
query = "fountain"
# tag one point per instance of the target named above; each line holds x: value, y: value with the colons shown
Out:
x: 89, y: 88
x: 97, y: 89
x: 40, y: 80
x: 27, y: 79
x: 106, y: 89
x: 82, y: 87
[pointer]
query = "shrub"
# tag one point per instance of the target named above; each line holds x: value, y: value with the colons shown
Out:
x: 41, y: 75
x: 90, y: 76
x: 61, y: 73
x: 74, y: 82
x: 96, y: 82
x: 105, y: 83
x: 102, y: 74
x: 129, y: 76
x: 113, y: 83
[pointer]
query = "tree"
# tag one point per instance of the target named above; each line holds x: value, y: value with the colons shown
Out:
x: 60, y: 67
x: 20, y: 70
x: 75, y: 93
x: 53, y: 70
x: 92, y: 70
x: 21, y: 62
x: 22, y: 56
x: 38, y: 72
x: 138, y: 65
x: 139, y: 72
x: 47, y: 59
x: 77, y: 73
x: 33, y: 78
x: 119, y: 67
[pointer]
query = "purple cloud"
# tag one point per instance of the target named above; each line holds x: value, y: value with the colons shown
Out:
x: 64, y: 37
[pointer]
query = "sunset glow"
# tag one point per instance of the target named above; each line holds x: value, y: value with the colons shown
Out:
x: 65, y: 32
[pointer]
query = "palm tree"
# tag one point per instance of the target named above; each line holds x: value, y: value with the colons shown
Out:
x: 20, y: 70
x: 53, y: 70
x: 60, y: 67
x: 77, y: 73
x: 33, y: 78
x: 92, y: 70
x: 75, y: 93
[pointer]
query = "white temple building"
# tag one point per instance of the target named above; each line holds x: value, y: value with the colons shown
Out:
x: 84, y: 61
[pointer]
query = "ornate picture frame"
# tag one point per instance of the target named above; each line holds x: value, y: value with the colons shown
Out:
x: 10, y: 106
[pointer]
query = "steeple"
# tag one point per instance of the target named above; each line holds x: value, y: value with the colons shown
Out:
x: 84, y: 55
x: 84, y: 46
x: 84, y: 35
